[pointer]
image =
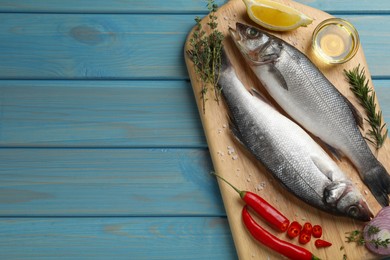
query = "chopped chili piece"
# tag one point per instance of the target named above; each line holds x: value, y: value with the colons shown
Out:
x: 317, y: 231
x: 322, y: 243
x: 285, y: 248
x: 294, y: 229
x: 307, y: 227
x: 304, y: 237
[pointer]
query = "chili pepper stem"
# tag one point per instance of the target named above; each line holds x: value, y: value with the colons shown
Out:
x: 242, y: 193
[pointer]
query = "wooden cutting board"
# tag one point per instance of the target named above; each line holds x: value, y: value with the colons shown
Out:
x: 238, y: 166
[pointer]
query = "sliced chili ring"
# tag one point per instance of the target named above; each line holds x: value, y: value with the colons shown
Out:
x: 307, y: 227
x: 294, y: 229
x: 304, y: 237
x: 317, y: 231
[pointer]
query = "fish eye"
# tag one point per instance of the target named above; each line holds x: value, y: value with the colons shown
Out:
x: 252, y: 32
x: 353, y: 211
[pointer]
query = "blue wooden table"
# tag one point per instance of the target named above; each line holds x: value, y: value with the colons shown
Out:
x: 102, y: 153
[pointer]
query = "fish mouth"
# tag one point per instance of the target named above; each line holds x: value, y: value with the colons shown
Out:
x: 237, y: 39
x: 368, y: 212
x: 234, y: 34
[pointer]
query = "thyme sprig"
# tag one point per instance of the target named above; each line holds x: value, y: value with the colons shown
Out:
x: 366, y: 96
x: 205, y: 53
x: 357, y: 236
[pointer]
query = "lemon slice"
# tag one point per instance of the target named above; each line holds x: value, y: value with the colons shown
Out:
x: 275, y: 16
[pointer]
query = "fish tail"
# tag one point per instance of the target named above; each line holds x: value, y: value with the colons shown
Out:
x: 378, y: 181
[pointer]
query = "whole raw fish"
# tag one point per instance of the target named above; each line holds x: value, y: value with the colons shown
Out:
x: 288, y: 152
x: 300, y: 88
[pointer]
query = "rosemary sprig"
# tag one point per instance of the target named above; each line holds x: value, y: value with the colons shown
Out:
x: 205, y: 53
x: 366, y: 96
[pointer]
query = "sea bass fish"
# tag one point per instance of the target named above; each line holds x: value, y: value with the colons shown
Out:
x: 304, y: 93
x: 288, y: 152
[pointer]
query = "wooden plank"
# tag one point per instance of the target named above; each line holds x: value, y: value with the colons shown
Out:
x: 99, y: 113
x: 174, y: 6
x: 48, y: 46
x: 107, y: 113
x: 107, y: 182
x: 96, y: 46
x: 382, y: 90
x: 101, y: 6
x: 245, y: 172
x: 116, y: 238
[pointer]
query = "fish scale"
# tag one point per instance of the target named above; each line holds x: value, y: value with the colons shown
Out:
x: 304, y: 93
x: 321, y: 98
x: 288, y: 152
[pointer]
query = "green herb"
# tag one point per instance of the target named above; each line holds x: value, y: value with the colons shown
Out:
x: 366, y: 97
x: 372, y: 230
x: 344, y: 255
x: 205, y: 53
x: 380, y: 243
x: 357, y: 236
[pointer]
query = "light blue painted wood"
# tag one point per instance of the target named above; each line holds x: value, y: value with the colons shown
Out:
x: 99, y: 113
x: 116, y: 238
x: 169, y: 206
x: 44, y: 46
x: 107, y: 182
x: 382, y: 90
x: 75, y: 46
x: 101, y: 6
x: 172, y: 7
x: 107, y: 113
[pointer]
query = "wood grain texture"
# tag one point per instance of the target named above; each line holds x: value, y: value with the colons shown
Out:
x: 171, y: 7
x: 99, y: 114
x: 116, y: 238
x: 245, y: 172
x: 72, y: 46
x: 101, y: 6
x: 107, y: 182
x: 67, y: 198
x: 106, y: 46
x: 108, y: 113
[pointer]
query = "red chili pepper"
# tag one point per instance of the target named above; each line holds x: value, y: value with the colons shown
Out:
x: 322, y: 243
x: 294, y: 229
x: 307, y: 227
x: 285, y: 248
x: 317, y: 231
x: 273, y: 217
x: 304, y: 237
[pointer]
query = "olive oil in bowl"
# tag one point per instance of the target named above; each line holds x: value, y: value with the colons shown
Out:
x: 335, y: 41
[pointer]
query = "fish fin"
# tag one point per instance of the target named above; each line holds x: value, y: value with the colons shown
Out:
x: 356, y: 114
x: 334, y: 191
x: 277, y: 76
x: 322, y: 167
x: 235, y: 132
x: 259, y: 95
x: 335, y: 152
x: 262, y: 97
x: 378, y: 181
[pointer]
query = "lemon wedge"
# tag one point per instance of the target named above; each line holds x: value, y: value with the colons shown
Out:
x: 275, y: 16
